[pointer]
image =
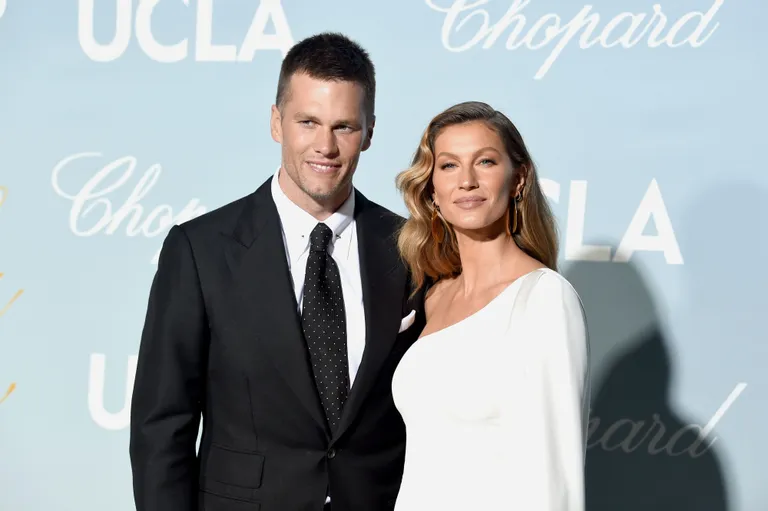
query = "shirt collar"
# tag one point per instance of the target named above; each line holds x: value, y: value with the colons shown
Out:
x: 298, y: 224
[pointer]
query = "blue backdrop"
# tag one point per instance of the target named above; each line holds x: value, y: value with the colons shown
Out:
x: 119, y: 118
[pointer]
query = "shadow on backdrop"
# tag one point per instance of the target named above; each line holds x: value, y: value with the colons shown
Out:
x: 722, y: 236
x: 641, y: 454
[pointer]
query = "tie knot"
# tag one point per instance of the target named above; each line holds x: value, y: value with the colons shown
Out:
x: 320, y: 238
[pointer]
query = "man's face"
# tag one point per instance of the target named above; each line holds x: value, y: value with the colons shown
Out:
x: 322, y: 128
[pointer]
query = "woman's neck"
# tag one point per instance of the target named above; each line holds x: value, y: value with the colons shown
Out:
x: 485, y: 262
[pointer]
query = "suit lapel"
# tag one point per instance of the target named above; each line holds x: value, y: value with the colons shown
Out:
x: 383, y: 284
x: 270, y: 308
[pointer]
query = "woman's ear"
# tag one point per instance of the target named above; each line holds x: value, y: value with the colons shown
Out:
x: 522, y: 175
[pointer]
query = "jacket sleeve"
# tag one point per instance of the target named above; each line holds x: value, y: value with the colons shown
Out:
x: 169, y: 385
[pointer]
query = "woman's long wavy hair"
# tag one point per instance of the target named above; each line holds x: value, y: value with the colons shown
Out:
x: 427, y: 242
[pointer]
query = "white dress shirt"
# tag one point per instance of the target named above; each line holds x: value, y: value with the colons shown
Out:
x: 297, y: 225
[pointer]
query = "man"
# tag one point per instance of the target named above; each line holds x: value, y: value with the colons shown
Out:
x: 280, y: 318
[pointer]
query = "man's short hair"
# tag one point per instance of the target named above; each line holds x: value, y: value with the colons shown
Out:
x: 329, y: 56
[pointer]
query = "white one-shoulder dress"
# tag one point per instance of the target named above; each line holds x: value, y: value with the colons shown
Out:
x: 496, y: 406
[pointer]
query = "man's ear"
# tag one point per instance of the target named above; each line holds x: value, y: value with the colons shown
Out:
x: 369, y: 134
x: 275, y: 125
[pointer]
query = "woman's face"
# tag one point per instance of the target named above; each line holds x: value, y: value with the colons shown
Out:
x: 473, y: 177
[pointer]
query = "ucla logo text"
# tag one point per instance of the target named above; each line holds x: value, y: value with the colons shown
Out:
x: 140, y: 22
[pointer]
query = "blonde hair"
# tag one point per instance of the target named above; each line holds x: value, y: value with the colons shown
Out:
x: 427, y: 243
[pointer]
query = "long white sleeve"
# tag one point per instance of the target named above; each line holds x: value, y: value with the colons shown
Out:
x: 554, y: 322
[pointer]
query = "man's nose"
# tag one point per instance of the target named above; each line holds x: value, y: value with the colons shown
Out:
x: 325, y: 143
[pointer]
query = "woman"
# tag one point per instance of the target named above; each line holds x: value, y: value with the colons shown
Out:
x: 494, y: 394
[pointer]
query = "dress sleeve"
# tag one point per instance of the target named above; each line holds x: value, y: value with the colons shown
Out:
x: 555, y: 324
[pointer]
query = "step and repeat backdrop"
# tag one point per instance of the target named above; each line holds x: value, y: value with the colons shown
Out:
x: 119, y: 118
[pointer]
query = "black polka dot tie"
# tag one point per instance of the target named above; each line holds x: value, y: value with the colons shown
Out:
x: 324, y: 324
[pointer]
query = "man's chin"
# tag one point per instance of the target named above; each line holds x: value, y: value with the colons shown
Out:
x: 320, y: 197
x: 325, y: 196
x: 326, y: 193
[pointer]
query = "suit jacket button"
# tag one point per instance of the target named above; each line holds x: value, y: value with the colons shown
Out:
x: 331, y: 453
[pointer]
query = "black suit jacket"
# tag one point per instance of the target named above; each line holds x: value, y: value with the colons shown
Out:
x: 223, y: 341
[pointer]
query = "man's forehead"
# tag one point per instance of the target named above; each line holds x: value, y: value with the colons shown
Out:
x: 326, y: 102
x: 303, y: 85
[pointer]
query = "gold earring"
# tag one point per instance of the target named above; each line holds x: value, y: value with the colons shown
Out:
x: 438, y: 231
x: 437, y: 228
x: 514, y: 214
